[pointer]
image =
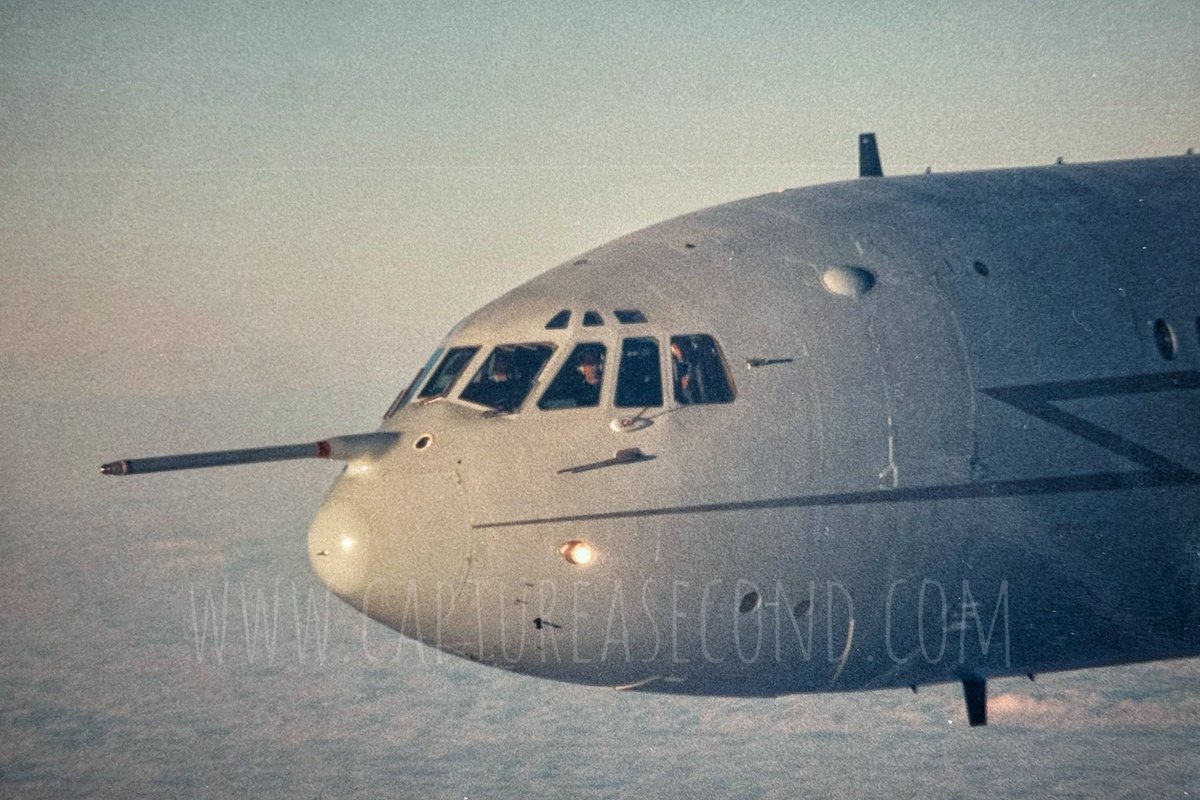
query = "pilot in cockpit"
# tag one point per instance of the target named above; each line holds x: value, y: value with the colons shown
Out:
x: 497, y: 386
x: 578, y: 382
x: 591, y: 372
x: 502, y: 368
x: 684, y: 370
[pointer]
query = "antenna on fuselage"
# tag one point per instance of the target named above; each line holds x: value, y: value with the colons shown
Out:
x: 869, y: 165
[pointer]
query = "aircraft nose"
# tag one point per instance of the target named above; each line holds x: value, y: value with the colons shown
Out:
x: 393, y: 541
x: 337, y: 548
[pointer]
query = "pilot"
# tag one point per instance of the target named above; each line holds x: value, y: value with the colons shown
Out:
x: 501, y: 388
x: 591, y: 372
x: 501, y: 368
x: 685, y: 374
x: 590, y: 367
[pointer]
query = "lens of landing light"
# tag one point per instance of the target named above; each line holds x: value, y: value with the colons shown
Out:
x: 577, y: 552
x: 337, y: 548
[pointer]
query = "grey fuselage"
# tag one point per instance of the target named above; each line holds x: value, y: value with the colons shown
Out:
x: 981, y: 460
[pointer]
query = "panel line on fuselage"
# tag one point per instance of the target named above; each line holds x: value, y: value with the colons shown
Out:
x: 1033, y: 399
x: 1037, y: 400
x: 1095, y: 482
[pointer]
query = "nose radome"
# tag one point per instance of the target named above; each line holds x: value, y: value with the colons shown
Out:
x: 393, y: 540
x: 337, y: 548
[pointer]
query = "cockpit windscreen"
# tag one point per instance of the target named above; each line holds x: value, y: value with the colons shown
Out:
x: 399, y: 402
x: 443, y: 377
x: 577, y: 384
x: 507, y: 376
x: 701, y: 374
x: 639, y: 384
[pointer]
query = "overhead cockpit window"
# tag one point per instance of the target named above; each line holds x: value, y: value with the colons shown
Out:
x: 559, y: 320
x: 629, y: 316
x: 700, y: 372
x: 592, y: 319
x: 507, y: 376
x: 399, y: 402
x: 577, y: 384
x: 447, y: 372
x: 639, y: 382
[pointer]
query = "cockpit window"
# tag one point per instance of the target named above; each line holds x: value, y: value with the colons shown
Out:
x: 592, y: 319
x: 639, y: 383
x: 577, y: 384
x: 559, y: 320
x: 507, y: 376
x: 399, y: 402
x: 700, y: 372
x: 629, y: 316
x: 444, y: 376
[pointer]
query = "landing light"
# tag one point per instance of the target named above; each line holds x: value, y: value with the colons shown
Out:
x: 347, y: 543
x: 577, y: 552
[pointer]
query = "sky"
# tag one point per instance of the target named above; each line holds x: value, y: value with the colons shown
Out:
x: 231, y: 224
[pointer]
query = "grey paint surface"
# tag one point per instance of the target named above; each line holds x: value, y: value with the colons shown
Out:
x: 926, y: 479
